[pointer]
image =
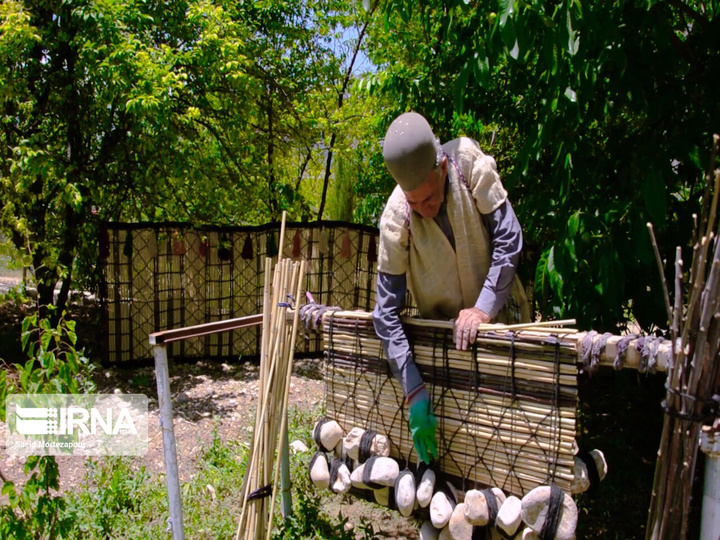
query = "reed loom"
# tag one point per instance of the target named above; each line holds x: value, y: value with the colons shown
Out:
x: 506, y: 408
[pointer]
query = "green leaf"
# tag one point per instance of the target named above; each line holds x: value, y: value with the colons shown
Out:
x: 482, y: 69
x: 507, y: 8
x: 574, y: 224
x: 542, y: 283
x: 554, y: 274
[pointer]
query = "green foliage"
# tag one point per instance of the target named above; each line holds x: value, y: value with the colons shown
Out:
x: 54, y: 366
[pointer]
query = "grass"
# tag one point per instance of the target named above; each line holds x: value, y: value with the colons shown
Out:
x: 118, y: 500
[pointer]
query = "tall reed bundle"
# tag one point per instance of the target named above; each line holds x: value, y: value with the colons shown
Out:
x: 259, y: 486
x: 506, y: 409
x: 693, y: 375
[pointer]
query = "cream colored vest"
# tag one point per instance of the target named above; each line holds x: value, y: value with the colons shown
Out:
x: 442, y: 280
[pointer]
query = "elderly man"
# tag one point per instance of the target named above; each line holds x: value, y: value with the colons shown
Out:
x: 448, y: 233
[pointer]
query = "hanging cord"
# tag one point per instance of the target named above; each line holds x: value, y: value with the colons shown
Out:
x: 598, y: 349
x: 492, y: 504
x: 365, y: 446
x: 316, y: 434
x: 367, y: 471
x: 552, y: 517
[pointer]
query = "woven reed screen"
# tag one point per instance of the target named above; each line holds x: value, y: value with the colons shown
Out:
x: 170, y: 275
x: 506, y: 409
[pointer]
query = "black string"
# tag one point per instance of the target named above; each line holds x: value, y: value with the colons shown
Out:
x: 555, y: 504
x: 365, y: 446
x: 317, y: 434
x: 260, y: 493
x: 366, y: 474
x: 492, y: 505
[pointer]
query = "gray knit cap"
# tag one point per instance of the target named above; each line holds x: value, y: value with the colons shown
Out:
x: 410, y: 150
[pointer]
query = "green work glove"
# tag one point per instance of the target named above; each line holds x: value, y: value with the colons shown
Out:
x: 422, y: 426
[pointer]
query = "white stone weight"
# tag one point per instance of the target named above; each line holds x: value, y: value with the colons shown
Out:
x: 378, y: 447
x: 476, y: 510
x: 459, y: 527
x: 405, y: 493
x: 342, y: 482
x: 534, y: 511
x: 384, y: 471
x: 327, y: 435
x: 429, y: 532
x: 581, y: 482
x: 509, y: 518
x: 441, y: 508
x: 356, y: 477
x: 320, y: 470
x: 581, y: 478
x: 600, y: 463
x: 425, y: 488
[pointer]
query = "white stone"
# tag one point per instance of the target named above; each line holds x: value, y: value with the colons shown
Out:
x: 342, y: 482
x: 319, y: 471
x: 330, y: 434
x: 425, y: 488
x: 405, y: 493
x: 477, y: 511
x: 509, y: 518
x: 534, y: 510
x: 459, y: 527
x: 298, y: 447
x: 441, y: 508
x: 356, y: 477
x: 351, y: 443
x: 600, y: 463
x: 384, y: 471
x: 581, y: 479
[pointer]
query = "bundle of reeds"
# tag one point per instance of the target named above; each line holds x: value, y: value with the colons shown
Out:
x: 506, y: 408
x: 693, y: 375
x: 259, y: 486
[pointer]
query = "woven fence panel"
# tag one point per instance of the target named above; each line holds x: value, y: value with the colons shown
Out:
x: 170, y: 275
x: 506, y: 409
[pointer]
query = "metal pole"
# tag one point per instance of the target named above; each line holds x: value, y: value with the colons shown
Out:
x: 710, y: 520
x: 166, y: 424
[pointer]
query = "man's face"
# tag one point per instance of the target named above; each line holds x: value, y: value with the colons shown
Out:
x: 427, y: 199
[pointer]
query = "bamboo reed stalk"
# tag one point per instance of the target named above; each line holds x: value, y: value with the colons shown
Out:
x: 505, y: 431
x: 346, y: 380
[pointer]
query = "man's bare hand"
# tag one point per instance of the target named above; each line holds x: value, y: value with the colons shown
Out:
x: 465, y: 327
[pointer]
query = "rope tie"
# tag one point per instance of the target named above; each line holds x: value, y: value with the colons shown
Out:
x: 316, y: 433
x: 552, y: 517
x: 366, y: 474
x: 260, y: 493
x: 621, y: 350
x: 365, y: 449
x: 586, y: 349
x: 492, y: 505
x: 334, y: 468
x: 648, y: 347
x: 598, y: 349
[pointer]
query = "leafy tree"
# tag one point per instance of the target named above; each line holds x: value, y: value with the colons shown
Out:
x: 126, y: 110
x: 601, y: 115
